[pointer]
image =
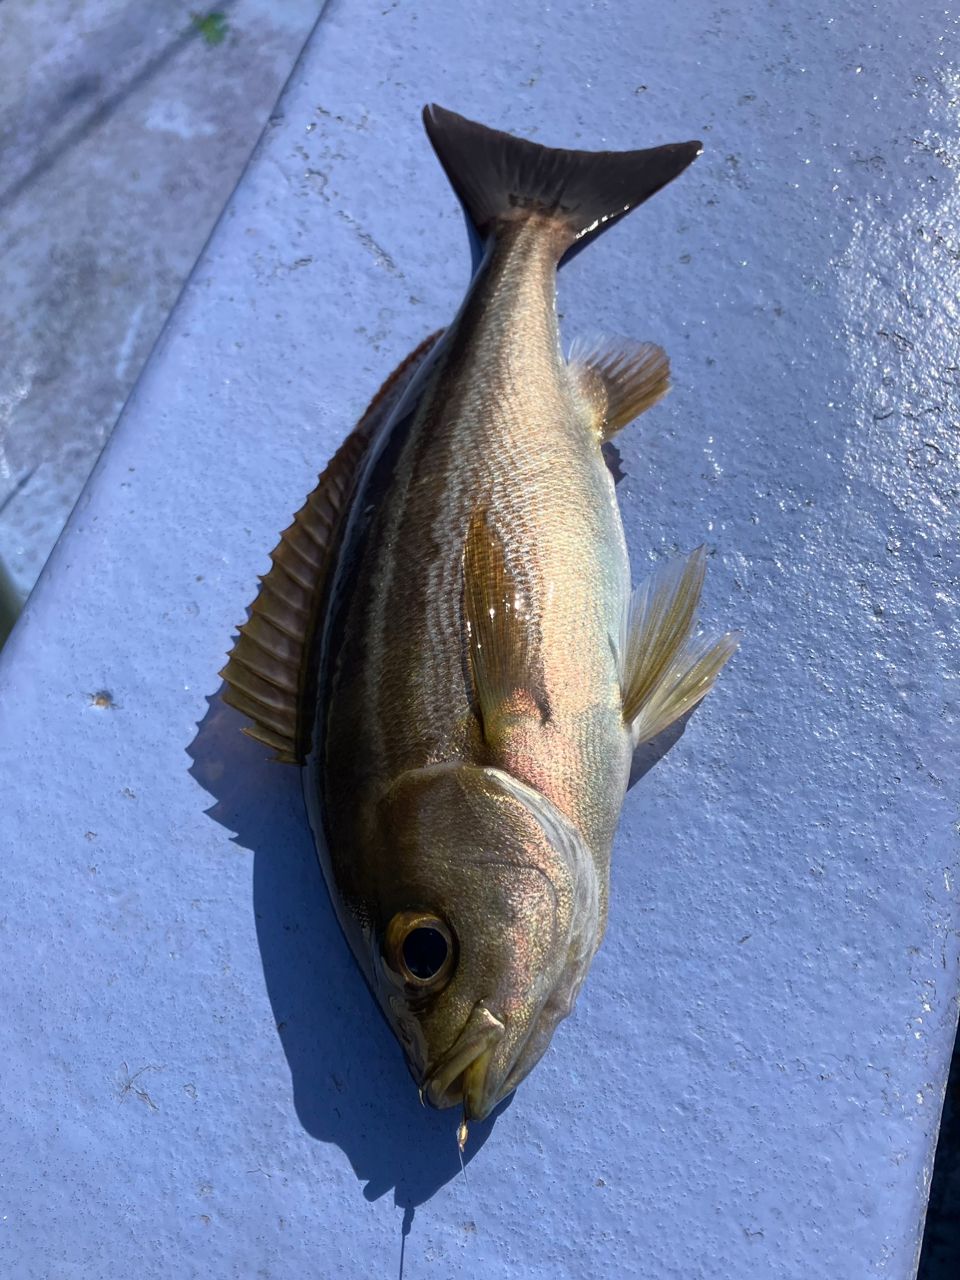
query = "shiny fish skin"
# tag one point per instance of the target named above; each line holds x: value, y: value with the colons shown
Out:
x: 468, y: 673
x: 398, y: 700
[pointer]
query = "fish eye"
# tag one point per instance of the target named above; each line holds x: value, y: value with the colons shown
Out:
x: 425, y: 952
x: 420, y: 948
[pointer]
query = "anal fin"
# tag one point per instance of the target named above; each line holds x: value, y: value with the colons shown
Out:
x: 619, y: 379
x: 267, y: 674
x: 667, y: 667
x: 507, y: 676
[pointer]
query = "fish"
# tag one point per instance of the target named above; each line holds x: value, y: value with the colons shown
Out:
x: 448, y: 645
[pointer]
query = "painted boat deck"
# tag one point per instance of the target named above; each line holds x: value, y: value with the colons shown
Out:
x: 195, y: 1080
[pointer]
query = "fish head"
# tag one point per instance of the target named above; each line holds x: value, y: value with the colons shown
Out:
x: 487, y: 922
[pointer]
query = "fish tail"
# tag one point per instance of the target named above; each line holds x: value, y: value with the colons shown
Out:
x: 501, y: 179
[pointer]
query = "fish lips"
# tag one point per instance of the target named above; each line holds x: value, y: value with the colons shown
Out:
x: 463, y: 1073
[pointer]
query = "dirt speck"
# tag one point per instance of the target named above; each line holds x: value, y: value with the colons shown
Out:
x: 129, y: 1085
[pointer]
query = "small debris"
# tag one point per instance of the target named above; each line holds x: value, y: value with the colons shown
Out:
x: 212, y: 27
x: 127, y: 1085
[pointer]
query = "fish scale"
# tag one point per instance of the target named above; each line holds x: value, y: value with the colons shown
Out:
x: 516, y: 446
x: 472, y: 673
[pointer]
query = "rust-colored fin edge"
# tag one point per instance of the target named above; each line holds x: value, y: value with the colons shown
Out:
x: 267, y: 673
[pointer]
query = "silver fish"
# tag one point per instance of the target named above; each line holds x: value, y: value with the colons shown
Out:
x: 448, y: 642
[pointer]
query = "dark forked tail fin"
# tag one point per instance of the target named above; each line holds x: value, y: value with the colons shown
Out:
x: 500, y: 178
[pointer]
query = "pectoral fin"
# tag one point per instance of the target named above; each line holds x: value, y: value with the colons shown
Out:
x: 267, y: 674
x: 501, y: 630
x: 667, y: 669
x: 618, y: 380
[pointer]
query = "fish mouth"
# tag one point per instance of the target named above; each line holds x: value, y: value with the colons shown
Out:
x: 461, y: 1075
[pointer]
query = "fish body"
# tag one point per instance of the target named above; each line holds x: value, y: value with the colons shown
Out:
x: 474, y: 672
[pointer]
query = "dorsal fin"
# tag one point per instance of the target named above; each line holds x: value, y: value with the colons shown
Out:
x: 266, y: 674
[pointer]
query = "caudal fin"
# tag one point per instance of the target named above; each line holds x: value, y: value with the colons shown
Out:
x: 500, y: 179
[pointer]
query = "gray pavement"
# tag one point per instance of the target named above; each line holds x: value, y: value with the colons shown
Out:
x: 123, y: 129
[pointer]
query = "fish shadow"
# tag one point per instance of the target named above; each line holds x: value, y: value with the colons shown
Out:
x: 651, y: 753
x: 350, y: 1082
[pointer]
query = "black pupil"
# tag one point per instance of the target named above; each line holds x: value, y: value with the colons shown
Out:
x: 424, y: 952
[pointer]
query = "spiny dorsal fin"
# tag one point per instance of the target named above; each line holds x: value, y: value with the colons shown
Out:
x: 619, y: 379
x: 507, y: 678
x: 266, y: 674
x: 667, y: 669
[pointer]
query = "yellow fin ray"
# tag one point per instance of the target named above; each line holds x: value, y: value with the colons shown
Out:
x: 667, y: 668
x: 508, y: 680
x: 619, y: 379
